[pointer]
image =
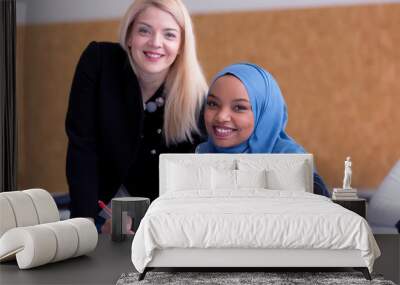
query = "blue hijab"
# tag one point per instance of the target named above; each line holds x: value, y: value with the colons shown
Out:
x: 270, y: 114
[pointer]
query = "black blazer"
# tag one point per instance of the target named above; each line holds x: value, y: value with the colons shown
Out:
x: 103, y: 124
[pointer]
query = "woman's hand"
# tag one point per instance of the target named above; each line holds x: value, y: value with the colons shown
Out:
x: 106, y: 228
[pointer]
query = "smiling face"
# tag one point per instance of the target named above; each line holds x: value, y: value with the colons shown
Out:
x: 154, y: 41
x: 228, y: 116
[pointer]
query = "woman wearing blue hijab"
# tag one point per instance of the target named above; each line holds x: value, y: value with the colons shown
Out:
x: 246, y: 113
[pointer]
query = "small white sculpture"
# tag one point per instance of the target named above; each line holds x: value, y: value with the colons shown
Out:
x: 347, y: 174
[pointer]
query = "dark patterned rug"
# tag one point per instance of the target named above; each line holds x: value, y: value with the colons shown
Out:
x: 269, y: 278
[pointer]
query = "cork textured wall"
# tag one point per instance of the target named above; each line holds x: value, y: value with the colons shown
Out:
x: 337, y: 67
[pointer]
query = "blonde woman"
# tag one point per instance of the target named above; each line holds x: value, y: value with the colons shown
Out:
x: 131, y: 101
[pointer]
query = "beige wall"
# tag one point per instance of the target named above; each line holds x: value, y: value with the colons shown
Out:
x: 336, y: 67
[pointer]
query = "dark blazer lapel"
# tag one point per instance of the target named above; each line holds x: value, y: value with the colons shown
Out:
x: 133, y: 98
x: 135, y: 114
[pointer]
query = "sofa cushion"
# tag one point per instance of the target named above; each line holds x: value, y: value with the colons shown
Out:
x: 183, y: 178
x: 293, y: 179
x: 251, y: 178
x: 284, y: 174
x: 223, y: 179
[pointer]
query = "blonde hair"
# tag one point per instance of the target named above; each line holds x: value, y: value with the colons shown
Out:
x: 185, y: 86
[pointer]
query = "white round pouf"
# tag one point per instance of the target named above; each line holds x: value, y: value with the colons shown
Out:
x: 7, y: 217
x: 33, y: 246
x: 23, y: 208
x: 87, y: 235
x: 45, y: 205
x: 67, y: 240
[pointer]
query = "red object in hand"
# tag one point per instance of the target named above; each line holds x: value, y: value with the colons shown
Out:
x: 104, y: 207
